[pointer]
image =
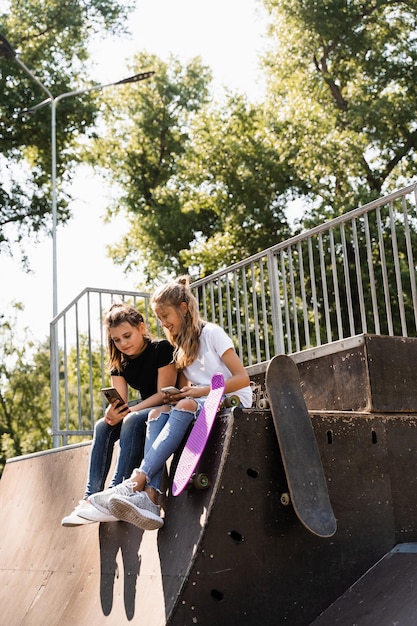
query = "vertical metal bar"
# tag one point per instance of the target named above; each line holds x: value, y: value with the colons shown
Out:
x: 410, y: 258
x: 394, y: 243
x: 358, y: 270
x: 54, y: 375
x: 264, y: 311
x: 347, y: 281
x: 372, y: 283
x: 78, y: 361
x: 276, y: 310
x: 229, y: 307
x: 220, y: 302
x: 66, y: 390
x: 293, y: 299
x: 90, y: 361
x: 255, y: 314
x: 204, y: 302
x: 314, y: 291
x: 103, y: 348
x: 384, y: 272
x: 247, y: 326
x: 285, y: 304
x: 335, y: 285
x: 238, y: 316
x: 325, y: 292
x: 213, y: 314
x: 303, y: 296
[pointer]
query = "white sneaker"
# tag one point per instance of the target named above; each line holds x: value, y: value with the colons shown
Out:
x: 74, y: 518
x: 91, y: 514
x: 100, y: 500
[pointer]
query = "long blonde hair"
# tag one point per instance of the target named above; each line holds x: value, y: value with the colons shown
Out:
x: 187, y: 342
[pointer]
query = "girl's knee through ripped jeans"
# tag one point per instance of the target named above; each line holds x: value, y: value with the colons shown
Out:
x: 163, y: 436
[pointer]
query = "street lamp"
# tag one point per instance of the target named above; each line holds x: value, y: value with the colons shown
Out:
x: 7, y: 51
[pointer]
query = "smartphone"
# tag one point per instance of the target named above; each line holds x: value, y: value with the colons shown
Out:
x: 112, y: 395
x: 170, y: 390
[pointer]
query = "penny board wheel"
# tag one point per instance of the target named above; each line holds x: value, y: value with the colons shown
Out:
x: 199, y: 481
x: 230, y: 401
x: 263, y: 403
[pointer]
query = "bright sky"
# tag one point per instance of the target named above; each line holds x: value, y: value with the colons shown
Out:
x: 228, y: 35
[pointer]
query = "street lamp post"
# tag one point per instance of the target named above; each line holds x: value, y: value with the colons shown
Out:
x: 53, y: 102
x: 7, y: 51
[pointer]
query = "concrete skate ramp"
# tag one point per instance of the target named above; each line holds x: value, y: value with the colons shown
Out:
x: 95, y: 574
x: 233, y: 554
x: 217, y: 560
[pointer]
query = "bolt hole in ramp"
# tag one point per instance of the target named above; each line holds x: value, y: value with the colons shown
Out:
x: 217, y: 595
x: 233, y: 534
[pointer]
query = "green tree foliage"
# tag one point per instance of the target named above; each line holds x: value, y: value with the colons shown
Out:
x: 52, y: 41
x: 343, y: 80
x: 143, y: 153
x: 201, y: 183
x: 233, y: 171
x: 25, y: 400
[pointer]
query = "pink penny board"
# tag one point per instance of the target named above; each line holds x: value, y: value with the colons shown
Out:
x: 198, y: 437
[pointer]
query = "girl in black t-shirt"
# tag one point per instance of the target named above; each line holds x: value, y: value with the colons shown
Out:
x: 137, y: 361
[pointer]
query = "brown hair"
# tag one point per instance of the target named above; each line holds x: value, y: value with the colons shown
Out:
x: 117, y: 314
x: 187, y: 342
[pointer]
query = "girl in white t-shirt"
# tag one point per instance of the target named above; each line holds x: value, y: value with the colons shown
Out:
x: 201, y: 349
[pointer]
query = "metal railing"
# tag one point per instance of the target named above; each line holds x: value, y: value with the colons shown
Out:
x: 78, y: 360
x: 352, y: 275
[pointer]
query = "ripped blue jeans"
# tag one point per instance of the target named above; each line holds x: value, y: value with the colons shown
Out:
x: 163, y: 436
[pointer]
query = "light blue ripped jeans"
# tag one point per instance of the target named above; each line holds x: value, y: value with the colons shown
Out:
x: 163, y: 436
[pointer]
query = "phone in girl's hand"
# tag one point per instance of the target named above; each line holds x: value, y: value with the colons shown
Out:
x: 112, y: 395
x: 170, y: 390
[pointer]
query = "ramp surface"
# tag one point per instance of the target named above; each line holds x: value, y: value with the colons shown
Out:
x: 232, y: 554
x: 94, y: 574
x: 384, y: 596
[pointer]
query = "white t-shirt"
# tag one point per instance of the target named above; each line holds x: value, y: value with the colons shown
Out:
x: 213, y: 344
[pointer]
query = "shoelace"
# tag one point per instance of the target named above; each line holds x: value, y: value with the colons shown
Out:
x: 126, y: 488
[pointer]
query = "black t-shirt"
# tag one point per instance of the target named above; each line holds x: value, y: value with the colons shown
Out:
x: 142, y: 372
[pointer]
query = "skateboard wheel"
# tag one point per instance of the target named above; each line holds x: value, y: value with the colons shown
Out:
x: 200, y: 481
x: 231, y: 401
x: 263, y: 403
x: 285, y: 499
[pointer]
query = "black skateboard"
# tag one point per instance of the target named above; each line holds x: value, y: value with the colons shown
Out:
x: 300, y: 454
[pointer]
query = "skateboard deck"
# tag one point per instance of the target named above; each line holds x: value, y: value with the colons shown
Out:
x: 197, y: 439
x: 299, y: 450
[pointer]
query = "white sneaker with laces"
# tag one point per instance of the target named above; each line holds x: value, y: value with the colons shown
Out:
x: 94, y: 515
x: 100, y: 500
x: 74, y: 518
